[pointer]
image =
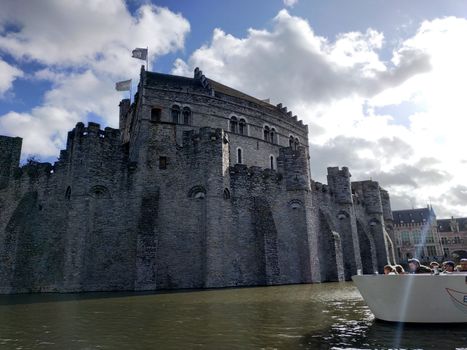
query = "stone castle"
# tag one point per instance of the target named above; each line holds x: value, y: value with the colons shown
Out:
x: 201, y: 186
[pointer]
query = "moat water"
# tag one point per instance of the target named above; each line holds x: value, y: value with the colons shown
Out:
x: 320, y: 316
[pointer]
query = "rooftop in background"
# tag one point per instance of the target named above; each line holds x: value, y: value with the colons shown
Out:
x: 414, y: 216
x: 452, y: 225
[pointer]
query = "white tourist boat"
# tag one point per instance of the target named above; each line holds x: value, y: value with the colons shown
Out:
x: 421, y: 298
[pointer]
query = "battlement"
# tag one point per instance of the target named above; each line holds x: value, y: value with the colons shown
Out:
x: 290, y: 116
x: 91, y: 134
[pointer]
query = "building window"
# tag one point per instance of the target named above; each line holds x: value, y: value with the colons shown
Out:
x: 444, y: 240
x: 163, y: 163
x: 291, y: 142
x: 271, y: 161
x: 405, y: 238
x: 186, y: 116
x: 239, y: 156
x: 266, y: 133
x: 233, y: 124
x: 156, y: 114
x: 175, y: 114
x: 242, y: 127
x: 273, y: 135
x: 226, y: 194
x: 431, y: 250
x: 297, y: 143
x: 416, y: 238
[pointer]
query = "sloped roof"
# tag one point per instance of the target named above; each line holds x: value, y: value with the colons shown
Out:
x: 414, y: 216
x: 444, y: 225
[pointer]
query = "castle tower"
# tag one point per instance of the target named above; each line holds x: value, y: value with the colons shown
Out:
x: 340, y: 186
x: 10, y: 153
x: 371, y: 194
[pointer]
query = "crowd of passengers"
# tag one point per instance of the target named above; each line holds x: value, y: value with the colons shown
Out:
x: 414, y: 267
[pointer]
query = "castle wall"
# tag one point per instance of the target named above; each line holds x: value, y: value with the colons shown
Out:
x: 162, y: 205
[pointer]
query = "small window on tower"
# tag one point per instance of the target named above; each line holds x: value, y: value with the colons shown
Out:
x: 162, y: 162
x: 156, y: 114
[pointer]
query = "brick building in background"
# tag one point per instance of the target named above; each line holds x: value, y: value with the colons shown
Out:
x: 417, y: 235
x: 453, y: 233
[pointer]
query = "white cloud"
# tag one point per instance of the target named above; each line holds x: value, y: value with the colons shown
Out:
x: 290, y: 3
x: 8, y: 74
x: 296, y: 63
x: 85, y: 48
x: 339, y: 85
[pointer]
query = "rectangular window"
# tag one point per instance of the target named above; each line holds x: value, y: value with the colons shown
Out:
x: 405, y: 238
x: 446, y: 252
x: 429, y: 239
x: 162, y: 162
x: 156, y: 114
x: 416, y: 238
x: 431, y: 250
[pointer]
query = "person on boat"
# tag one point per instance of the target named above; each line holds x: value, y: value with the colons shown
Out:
x: 448, y: 267
x: 416, y: 267
x: 389, y: 270
x: 433, y: 264
x: 399, y: 269
x: 462, y: 266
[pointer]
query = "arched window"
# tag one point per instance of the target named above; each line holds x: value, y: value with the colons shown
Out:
x: 242, y: 127
x: 297, y: 143
x: 233, y: 124
x: 197, y: 192
x: 266, y: 133
x: 273, y: 135
x: 271, y: 160
x: 291, y: 141
x: 226, y: 194
x: 175, y: 114
x: 186, y: 116
x: 239, y: 156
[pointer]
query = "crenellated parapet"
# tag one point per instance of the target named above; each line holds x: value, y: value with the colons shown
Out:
x: 288, y: 115
x: 89, y: 137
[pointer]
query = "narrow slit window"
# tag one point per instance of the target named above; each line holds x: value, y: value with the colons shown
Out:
x: 239, y: 156
x: 163, y: 163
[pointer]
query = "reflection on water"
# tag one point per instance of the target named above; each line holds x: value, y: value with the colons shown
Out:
x: 325, y: 316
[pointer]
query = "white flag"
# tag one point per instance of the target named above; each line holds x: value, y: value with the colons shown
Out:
x: 140, y: 53
x: 123, y: 85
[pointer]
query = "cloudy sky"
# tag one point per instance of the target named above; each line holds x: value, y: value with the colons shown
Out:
x: 380, y: 83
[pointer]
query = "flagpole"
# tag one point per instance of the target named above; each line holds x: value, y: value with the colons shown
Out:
x: 147, y: 58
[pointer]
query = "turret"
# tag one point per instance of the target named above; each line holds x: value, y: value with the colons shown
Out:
x: 294, y: 165
x: 10, y: 153
x: 339, y: 184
